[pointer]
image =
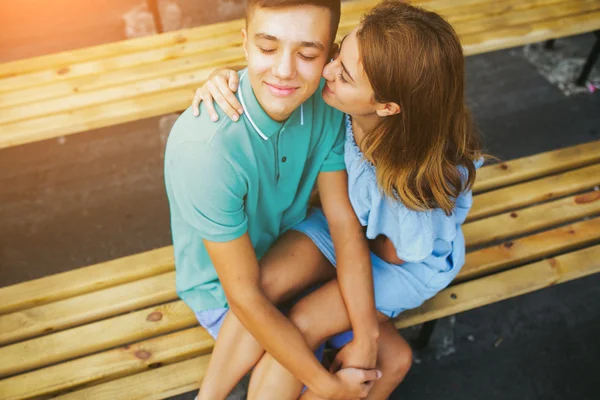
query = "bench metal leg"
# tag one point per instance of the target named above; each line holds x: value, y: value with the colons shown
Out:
x: 426, y: 332
x: 591, y: 60
x: 153, y: 7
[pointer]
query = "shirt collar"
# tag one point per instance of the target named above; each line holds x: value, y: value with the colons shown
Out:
x: 264, y: 125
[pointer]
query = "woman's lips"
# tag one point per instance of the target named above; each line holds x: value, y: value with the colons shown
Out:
x: 280, y: 91
x: 328, y: 90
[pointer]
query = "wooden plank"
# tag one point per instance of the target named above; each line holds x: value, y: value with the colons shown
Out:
x: 504, y: 285
x: 540, y: 190
x: 205, y: 51
x: 86, y: 85
x: 108, y: 365
x: 531, y: 219
x: 84, y: 280
x: 185, y: 376
x: 87, y: 307
x: 520, y: 35
x: 513, y: 17
x: 61, y: 90
x: 478, y: 16
x: 101, y: 335
x: 536, y: 166
x: 14, y: 69
x: 156, y: 384
x: 191, y: 79
x: 529, y: 248
x: 99, y: 116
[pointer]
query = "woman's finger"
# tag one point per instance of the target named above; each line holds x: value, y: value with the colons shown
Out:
x: 196, y: 102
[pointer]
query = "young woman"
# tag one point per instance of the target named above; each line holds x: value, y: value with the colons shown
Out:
x: 411, y: 155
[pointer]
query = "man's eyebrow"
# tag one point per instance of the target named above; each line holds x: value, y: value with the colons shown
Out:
x: 316, y: 45
x: 265, y: 36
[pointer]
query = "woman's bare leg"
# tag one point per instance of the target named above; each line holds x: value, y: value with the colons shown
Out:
x: 394, y: 359
x: 293, y: 264
x: 318, y: 316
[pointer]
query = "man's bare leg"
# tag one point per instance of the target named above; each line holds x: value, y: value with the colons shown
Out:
x: 293, y: 264
x: 318, y: 316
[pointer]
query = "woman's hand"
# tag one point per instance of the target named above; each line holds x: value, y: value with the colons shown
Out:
x: 220, y: 87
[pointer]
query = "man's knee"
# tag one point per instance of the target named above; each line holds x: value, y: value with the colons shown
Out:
x: 272, y: 286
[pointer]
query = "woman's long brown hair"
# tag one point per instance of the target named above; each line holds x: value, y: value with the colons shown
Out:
x: 414, y: 58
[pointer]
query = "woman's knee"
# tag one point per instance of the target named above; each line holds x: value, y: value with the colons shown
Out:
x: 307, y: 324
x: 400, y: 359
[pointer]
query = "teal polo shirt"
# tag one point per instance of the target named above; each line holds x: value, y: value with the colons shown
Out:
x: 227, y: 178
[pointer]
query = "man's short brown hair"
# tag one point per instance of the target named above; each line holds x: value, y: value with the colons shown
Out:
x: 334, y: 7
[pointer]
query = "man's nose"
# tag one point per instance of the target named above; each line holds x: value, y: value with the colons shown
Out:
x: 284, y: 68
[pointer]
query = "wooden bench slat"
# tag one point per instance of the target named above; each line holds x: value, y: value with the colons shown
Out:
x: 68, y: 104
x: 520, y: 35
x: 504, y: 285
x: 515, y: 17
x: 157, y: 384
x: 541, y: 216
x: 88, y: 307
x: 535, y: 166
x: 62, y: 90
x: 470, y: 19
x: 543, y: 189
x: 14, y: 70
x: 205, y: 51
x: 101, y: 335
x: 83, y: 280
x: 184, y: 376
x: 98, y: 116
x: 481, y: 10
x: 108, y: 365
x: 492, y: 259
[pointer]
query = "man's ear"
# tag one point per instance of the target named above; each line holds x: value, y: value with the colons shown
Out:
x: 388, y: 109
x: 245, y: 42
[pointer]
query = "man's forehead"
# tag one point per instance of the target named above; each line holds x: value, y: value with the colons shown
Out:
x: 301, y: 21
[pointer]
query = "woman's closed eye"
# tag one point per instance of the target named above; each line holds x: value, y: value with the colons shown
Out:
x: 341, y: 77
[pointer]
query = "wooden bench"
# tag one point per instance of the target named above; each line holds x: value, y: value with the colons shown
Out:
x: 116, y: 330
x: 76, y: 91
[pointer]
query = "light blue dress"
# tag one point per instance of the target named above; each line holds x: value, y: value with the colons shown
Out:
x: 430, y: 242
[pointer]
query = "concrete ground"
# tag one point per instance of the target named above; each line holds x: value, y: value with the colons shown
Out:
x: 99, y: 195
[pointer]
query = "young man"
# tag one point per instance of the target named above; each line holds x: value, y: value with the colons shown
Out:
x: 234, y: 188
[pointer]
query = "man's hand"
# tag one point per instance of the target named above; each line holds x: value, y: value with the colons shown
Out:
x: 356, y: 355
x: 354, y: 383
x: 220, y: 87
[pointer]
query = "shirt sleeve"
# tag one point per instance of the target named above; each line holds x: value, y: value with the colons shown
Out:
x: 335, y: 159
x: 208, y: 192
